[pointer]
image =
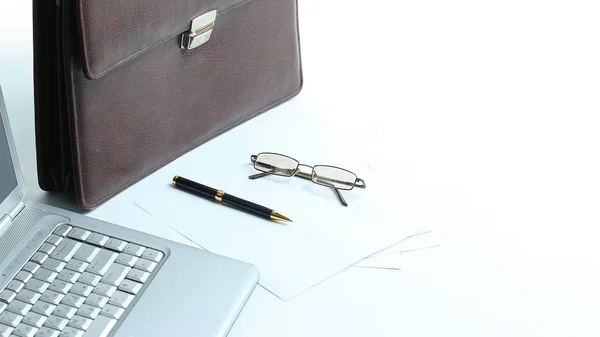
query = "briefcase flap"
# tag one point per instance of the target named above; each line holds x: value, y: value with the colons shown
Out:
x: 114, y: 32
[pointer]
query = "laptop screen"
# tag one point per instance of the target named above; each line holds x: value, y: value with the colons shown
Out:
x: 8, y: 178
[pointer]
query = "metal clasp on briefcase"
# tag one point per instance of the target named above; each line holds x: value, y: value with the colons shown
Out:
x: 199, y: 34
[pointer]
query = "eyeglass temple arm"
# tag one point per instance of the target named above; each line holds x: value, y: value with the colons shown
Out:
x: 335, y: 190
x: 259, y: 175
x: 340, y: 197
x: 358, y: 183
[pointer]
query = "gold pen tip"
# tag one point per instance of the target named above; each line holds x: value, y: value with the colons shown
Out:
x: 175, y: 179
x: 279, y: 217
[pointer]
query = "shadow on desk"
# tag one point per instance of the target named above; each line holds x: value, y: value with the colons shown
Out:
x: 66, y: 200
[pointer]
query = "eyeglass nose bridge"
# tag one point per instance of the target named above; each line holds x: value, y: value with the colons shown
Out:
x: 297, y: 170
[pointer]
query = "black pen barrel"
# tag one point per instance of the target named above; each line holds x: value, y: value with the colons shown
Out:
x: 194, y: 187
x: 233, y: 200
x: 249, y: 210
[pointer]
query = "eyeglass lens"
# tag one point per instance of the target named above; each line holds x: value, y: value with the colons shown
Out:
x: 333, y: 177
x: 276, y: 164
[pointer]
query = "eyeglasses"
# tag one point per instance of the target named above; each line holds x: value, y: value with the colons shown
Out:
x: 334, y: 177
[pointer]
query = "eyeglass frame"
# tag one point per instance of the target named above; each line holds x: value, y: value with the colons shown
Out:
x: 359, y: 183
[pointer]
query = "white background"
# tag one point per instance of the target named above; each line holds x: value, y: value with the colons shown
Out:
x: 483, y: 116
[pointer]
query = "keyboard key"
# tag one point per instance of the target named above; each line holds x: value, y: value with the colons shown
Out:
x: 45, y: 275
x: 19, y: 307
x: 56, y: 322
x: 15, y: 286
x: 115, y: 244
x: 152, y: 255
x: 79, y: 234
x: 76, y: 265
x: 102, y: 262
x: 28, y: 296
x: 31, y: 267
x: 43, y: 308
x: 130, y: 286
x: 47, y: 248
x: 39, y: 257
x: 62, y: 230
x: 54, y: 239
x: 97, y: 300
x: 3, y: 307
x: 52, y: 297
x: 54, y: 265
x: 138, y: 275
x: 88, y: 311
x: 126, y: 259
x: 121, y: 299
x: 24, y: 276
x: 80, y: 322
x: 111, y: 311
x: 64, y: 311
x: 69, y: 275
x: 71, y: 332
x: 34, y: 319
x: 134, y: 249
x: 101, y: 327
x: 89, y: 278
x: 10, y: 318
x: 47, y: 332
x: 66, y: 249
x: 61, y: 286
x: 105, y: 289
x: 82, y: 289
x: 97, y: 239
x: 73, y: 300
x: 5, y: 330
x: 86, y: 253
x: 116, y: 274
x: 7, y: 296
x: 37, y: 286
x: 24, y: 330
x: 145, y: 265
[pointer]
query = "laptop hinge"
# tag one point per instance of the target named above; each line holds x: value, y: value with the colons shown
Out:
x: 16, y: 210
x: 8, y: 219
x: 5, y: 222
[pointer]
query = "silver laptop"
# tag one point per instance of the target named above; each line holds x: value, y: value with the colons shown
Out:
x: 64, y: 274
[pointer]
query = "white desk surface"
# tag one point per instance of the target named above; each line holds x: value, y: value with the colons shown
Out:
x: 487, y: 112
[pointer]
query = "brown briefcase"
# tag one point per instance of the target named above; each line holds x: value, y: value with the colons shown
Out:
x: 122, y: 87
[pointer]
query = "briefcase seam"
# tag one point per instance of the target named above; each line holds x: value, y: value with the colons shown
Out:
x: 137, y: 53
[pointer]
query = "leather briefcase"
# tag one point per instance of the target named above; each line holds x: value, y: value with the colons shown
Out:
x: 122, y: 87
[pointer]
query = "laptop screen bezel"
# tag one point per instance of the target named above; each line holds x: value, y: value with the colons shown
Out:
x: 17, y: 196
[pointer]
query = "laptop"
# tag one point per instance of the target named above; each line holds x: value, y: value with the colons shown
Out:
x: 63, y: 274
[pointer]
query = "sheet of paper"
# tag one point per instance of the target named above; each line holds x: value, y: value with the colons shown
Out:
x: 396, y: 257
x: 324, y: 238
x: 421, y: 240
x: 120, y: 211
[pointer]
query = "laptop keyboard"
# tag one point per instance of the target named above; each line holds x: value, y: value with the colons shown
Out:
x: 78, y: 284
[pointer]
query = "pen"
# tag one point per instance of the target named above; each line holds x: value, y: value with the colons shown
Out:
x: 228, y: 199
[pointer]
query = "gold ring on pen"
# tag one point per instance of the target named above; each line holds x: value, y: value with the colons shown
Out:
x: 219, y: 196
